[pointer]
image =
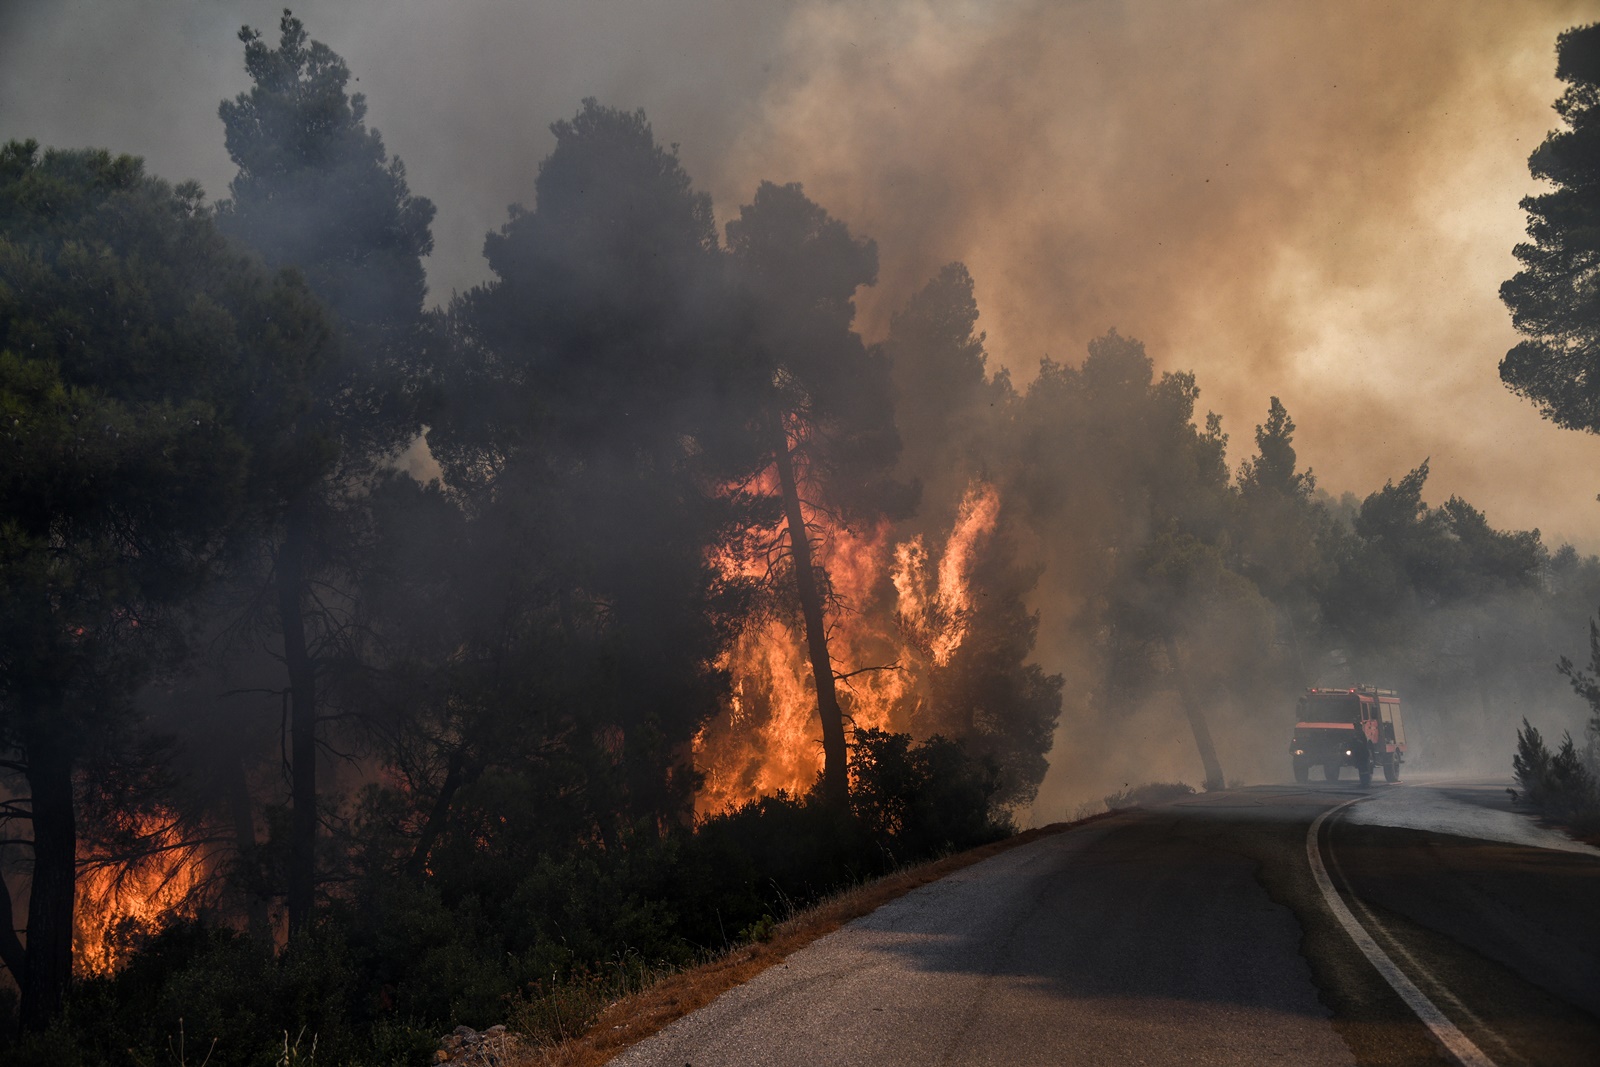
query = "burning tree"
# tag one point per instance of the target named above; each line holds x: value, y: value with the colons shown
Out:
x: 926, y: 628
x: 958, y: 421
x: 825, y: 416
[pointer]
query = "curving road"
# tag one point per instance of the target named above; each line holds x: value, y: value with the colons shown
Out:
x: 1196, y: 933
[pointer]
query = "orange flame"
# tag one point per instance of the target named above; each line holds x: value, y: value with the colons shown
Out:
x: 121, y: 902
x: 937, y: 611
x: 892, y: 618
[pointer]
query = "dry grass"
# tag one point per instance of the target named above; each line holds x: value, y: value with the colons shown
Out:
x: 637, y: 1016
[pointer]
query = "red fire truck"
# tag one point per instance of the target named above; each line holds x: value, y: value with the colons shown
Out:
x: 1358, y: 727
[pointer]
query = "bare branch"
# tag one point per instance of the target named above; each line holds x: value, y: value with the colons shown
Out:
x: 863, y: 670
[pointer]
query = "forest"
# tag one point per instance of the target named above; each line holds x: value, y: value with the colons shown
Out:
x: 370, y: 666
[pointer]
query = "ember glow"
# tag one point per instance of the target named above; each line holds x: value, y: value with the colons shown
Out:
x: 898, y: 610
x: 121, y: 901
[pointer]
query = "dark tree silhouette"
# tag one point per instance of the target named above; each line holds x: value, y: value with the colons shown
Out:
x: 148, y: 371
x: 1273, y: 468
x: 316, y: 191
x: 595, y: 412
x: 1282, y: 538
x: 1554, y: 301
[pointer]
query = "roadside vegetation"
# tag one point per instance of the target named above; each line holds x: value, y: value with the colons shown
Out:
x: 1147, y: 793
x: 1563, y: 784
x: 542, y: 947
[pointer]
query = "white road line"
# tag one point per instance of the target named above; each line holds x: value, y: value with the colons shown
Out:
x: 1455, y: 1042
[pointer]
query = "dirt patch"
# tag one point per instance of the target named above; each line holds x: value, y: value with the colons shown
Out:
x: 637, y: 1017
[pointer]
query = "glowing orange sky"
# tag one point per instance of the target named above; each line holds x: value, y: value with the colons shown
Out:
x: 1312, y: 201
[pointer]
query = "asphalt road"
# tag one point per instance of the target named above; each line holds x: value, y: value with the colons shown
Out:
x: 1195, y: 933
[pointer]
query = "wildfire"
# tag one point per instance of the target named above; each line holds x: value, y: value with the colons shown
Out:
x: 894, y: 615
x: 937, y: 611
x: 122, y: 901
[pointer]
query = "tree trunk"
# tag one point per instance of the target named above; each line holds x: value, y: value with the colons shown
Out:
x: 454, y: 777
x: 47, y: 964
x: 249, y: 874
x: 12, y: 954
x: 1197, y: 717
x: 835, y: 769
x: 302, y: 720
x: 1300, y: 676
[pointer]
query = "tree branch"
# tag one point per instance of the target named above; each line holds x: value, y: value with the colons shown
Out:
x: 863, y: 670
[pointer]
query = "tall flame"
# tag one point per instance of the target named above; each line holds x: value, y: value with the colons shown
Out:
x: 122, y: 901
x: 937, y: 610
x: 893, y: 617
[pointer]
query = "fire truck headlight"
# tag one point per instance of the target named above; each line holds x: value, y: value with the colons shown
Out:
x: 1348, y: 752
x: 1299, y: 752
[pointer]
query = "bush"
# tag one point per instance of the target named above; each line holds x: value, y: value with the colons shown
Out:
x: 919, y: 800
x: 1148, y: 793
x: 213, y: 989
x: 1557, y: 784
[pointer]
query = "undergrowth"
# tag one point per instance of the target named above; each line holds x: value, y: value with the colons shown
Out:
x: 539, y: 938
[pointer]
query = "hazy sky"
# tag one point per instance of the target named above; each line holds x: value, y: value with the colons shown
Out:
x: 1313, y: 200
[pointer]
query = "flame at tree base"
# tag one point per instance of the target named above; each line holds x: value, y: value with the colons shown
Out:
x: 123, y: 903
x: 894, y: 618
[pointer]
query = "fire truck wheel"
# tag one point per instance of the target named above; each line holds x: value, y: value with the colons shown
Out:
x: 1330, y: 771
x: 1302, y: 772
x: 1391, y: 770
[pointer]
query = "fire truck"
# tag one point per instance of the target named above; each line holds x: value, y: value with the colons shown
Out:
x: 1358, y: 727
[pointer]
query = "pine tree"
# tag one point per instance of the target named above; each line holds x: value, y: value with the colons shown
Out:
x: 1554, y: 302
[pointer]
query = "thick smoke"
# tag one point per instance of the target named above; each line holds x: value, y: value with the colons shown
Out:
x: 1313, y: 200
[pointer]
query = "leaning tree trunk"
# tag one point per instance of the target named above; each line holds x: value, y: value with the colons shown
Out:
x: 47, y: 963
x: 456, y: 774
x: 835, y: 769
x: 302, y: 720
x: 1197, y: 717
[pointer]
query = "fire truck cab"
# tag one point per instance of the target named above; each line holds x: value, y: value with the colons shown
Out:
x: 1358, y: 727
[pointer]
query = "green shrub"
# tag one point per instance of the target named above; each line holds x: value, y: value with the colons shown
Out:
x: 1557, y: 784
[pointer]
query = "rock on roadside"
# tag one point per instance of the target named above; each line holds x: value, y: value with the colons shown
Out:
x: 466, y: 1047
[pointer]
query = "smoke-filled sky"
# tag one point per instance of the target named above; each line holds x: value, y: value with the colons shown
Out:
x: 1312, y: 200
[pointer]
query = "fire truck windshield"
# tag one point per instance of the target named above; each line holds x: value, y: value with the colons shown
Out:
x: 1333, y: 707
